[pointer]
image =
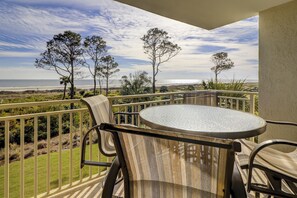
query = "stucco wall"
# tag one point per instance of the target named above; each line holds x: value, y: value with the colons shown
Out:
x: 278, y: 69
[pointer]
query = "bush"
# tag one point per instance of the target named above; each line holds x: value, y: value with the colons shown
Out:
x: 88, y: 94
x: 137, y: 83
x: 163, y: 89
x: 82, y: 92
x: 191, y: 88
x: 233, y: 85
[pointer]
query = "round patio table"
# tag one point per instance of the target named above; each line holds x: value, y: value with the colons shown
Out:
x: 203, y: 120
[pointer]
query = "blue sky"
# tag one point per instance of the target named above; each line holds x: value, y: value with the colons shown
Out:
x: 26, y: 25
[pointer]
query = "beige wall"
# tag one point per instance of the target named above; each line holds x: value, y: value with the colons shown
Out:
x: 278, y: 68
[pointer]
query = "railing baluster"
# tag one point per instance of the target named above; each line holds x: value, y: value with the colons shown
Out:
x: 237, y: 104
x: 252, y: 103
x: 99, y: 158
x: 243, y: 105
x: 80, y: 142
x: 70, y: 147
x: 119, y: 116
x: 171, y: 99
x: 126, y: 116
x: 90, y: 147
x: 138, y: 117
x: 48, y: 136
x: 6, y: 168
x: 60, y: 152
x: 35, y: 156
x: 22, y: 169
x: 133, y: 116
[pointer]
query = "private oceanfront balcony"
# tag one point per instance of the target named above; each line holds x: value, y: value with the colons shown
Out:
x: 45, y: 162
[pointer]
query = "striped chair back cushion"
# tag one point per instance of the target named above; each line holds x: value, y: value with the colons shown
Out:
x: 101, y: 111
x: 167, y: 168
x: 200, y: 98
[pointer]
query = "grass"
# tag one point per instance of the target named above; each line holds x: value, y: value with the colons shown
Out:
x: 14, y: 172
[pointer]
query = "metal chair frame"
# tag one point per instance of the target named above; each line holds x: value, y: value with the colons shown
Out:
x: 84, y: 142
x: 275, y: 179
x: 120, y: 162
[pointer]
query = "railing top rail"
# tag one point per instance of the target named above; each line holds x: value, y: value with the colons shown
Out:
x: 235, y: 98
x: 143, y: 103
x: 58, y: 102
x: 32, y: 115
x: 157, y: 94
x: 42, y: 103
x: 236, y: 92
x: 181, y: 92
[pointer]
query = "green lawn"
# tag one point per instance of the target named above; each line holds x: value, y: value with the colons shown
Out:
x: 14, y: 172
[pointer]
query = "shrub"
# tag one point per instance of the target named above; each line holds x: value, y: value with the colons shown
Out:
x: 191, y: 87
x: 82, y: 92
x: 163, y: 89
x: 88, y: 94
x: 233, y: 85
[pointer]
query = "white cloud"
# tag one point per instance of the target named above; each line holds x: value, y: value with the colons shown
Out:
x: 17, y: 54
x: 26, y: 73
x: 31, y: 25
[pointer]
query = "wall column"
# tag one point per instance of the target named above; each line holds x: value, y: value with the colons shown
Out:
x: 278, y: 69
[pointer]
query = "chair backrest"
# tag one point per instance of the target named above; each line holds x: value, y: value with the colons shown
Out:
x: 101, y: 112
x: 200, y: 98
x: 172, y: 164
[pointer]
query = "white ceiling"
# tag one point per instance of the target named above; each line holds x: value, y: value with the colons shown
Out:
x: 207, y: 14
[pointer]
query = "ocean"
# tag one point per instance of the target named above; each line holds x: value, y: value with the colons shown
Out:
x: 50, y: 84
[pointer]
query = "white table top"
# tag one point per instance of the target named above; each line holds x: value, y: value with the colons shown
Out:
x: 203, y: 120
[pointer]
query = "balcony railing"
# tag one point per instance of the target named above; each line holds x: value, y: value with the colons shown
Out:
x: 58, y: 169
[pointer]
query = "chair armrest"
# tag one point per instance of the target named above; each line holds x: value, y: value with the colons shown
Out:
x: 281, y: 122
x: 260, y: 147
x: 83, y: 150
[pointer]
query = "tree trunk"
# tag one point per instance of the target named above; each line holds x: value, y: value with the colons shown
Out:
x: 94, y: 85
x: 72, y: 84
x: 100, y: 86
x: 216, y: 79
x: 64, y: 94
x: 154, y: 80
x: 107, y: 86
x: 72, y: 81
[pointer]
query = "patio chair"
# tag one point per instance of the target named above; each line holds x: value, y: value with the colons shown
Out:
x: 267, y: 171
x: 100, y: 110
x: 200, y: 98
x: 169, y: 164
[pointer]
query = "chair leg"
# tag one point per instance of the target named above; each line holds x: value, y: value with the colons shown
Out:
x: 111, y: 179
x: 237, y: 188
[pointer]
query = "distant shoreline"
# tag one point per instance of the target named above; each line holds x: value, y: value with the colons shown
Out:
x: 53, y: 85
x: 26, y: 90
